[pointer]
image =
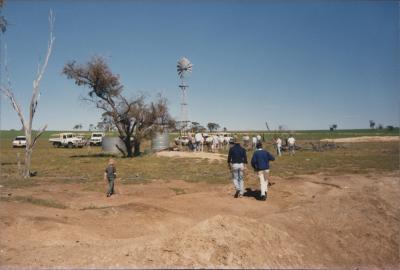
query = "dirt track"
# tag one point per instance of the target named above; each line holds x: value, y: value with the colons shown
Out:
x: 185, y: 154
x: 364, y: 139
x: 307, y: 222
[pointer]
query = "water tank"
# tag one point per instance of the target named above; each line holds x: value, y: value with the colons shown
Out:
x: 160, y: 141
x: 108, y: 145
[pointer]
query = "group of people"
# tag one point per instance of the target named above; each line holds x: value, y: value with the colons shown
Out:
x: 237, y: 163
x: 290, y: 142
x: 196, y: 142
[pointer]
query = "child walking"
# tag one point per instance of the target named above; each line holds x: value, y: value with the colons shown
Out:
x: 110, y: 175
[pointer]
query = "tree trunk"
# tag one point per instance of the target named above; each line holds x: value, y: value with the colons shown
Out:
x: 128, y: 145
x: 28, y: 154
x: 136, y: 146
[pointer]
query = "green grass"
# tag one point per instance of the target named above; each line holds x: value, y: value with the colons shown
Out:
x: 16, y: 182
x: 86, y: 166
x: 35, y: 201
x: 299, y: 134
x: 178, y: 191
x: 11, y: 134
x: 94, y: 207
x: 348, y: 158
x: 322, y: 134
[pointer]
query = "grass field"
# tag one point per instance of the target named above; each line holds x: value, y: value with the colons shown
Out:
x: 299, y: 134
x: 86, y: 165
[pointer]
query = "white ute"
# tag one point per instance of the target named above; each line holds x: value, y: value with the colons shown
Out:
x: 19, y: 141
x: 69, y: 140
x: 96, y: 138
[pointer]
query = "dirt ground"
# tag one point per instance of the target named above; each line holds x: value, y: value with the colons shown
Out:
x: 310, y: 221
x: 186, y: 154
x: 365, y: 139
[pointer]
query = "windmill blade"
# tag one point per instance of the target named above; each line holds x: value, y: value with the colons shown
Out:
x: 183, y: 66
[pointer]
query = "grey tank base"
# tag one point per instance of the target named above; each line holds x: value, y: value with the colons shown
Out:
x: 160, y: 142
x: 108, y: 145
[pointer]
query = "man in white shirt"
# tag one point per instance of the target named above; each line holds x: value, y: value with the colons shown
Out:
x: 278, y: 146
x: 291, y: 141
x: 198, y: 139
x: 254, y: 142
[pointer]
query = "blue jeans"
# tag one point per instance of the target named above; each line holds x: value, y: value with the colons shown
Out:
x: 237, y: 174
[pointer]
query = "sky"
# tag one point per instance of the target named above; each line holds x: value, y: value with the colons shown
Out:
x: 301, y: 65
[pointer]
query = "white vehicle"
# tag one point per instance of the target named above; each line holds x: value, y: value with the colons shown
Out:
x: 69, y: 140
x: 19, y: 141
x: 96, y: 138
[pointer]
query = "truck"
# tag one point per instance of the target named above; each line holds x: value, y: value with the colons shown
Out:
x: 19, y: 141
x: 69, y: 140
x: 96, y: 138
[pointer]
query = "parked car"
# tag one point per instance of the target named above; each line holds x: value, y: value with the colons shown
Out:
x: 96, y: 138
x: 69, y: 140
x: 19, y: 141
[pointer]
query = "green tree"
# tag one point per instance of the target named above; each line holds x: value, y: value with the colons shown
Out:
x: 213, y: 127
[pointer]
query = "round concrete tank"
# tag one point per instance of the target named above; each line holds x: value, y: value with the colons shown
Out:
x: 160, y: 141
x: 108, y: 145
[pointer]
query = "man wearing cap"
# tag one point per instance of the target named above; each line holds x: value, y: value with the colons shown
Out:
x: 260, y: 163
x: 237, y: 161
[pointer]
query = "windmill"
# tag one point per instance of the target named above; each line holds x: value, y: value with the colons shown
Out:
x: 183, y: 67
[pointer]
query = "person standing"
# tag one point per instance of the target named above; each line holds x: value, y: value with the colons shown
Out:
x: 246, y: 141
x: 237, y: 161
x: 198, y: 138
x: 254, y: 142
x: 260, y: 163
x: 258, y: 137
x: 110, y: 174
x: 278, y: 146
x: 291, y: 142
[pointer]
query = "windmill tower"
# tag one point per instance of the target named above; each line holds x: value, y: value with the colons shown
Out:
x: 183, y: 67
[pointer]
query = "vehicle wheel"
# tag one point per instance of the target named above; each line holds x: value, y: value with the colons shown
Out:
x: 70, y: 145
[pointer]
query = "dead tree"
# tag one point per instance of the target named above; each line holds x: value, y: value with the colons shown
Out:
x: 27, y: 124
x: 133, y: 118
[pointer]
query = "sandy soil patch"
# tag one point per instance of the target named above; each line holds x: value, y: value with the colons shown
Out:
x: 364, y: 139
x: 314, y: 221
x: 183, y: 154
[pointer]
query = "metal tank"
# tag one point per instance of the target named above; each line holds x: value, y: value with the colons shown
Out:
x: 160, y: 141
x: 108, y: 145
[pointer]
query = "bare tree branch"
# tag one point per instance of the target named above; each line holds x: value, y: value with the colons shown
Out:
x: 27, y: 125
x: 8, y: 93
x: 38, y: 135
x: 41, y: 70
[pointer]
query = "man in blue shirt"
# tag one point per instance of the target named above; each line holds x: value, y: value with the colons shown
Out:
x: 260, y: 163
x: 237, y: 161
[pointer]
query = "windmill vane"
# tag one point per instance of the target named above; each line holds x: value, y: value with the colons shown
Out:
x: 183, y: 67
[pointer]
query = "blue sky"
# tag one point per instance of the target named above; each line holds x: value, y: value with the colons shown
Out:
x: 300, y: 64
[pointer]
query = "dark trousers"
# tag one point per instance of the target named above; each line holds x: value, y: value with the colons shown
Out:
x: 110, y: 186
